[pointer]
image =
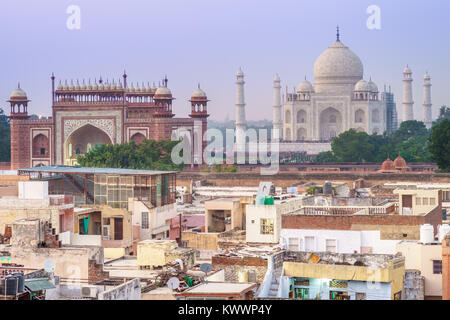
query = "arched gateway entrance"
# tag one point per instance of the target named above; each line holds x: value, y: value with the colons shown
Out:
x: 82, y: 140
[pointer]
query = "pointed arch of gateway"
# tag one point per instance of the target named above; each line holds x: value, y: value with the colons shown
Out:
x: 82, y: 140
x: 138, y: 138
x: 330, y: 123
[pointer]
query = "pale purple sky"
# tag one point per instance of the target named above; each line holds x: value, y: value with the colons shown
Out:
x: 207, y: 41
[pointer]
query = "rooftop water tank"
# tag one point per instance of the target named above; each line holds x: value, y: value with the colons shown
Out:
x: 8, y: 286
x: 426, y: 233
x: 443, y: 231
x: 21, y: 281
x: 243, y: 276
x: 327, y: 188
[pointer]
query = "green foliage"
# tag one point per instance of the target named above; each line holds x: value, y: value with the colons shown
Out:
x: 440, y: 145
x: 149, y: 155
x: 326, y: 157
x: 5, y: 138
x: 352, y: 146
x: 312, y: 190
x: 410, y: 140
x: 224, y: 168
x: 444, y: 113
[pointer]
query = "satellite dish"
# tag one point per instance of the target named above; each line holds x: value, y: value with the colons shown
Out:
x: 173, y: 283
x: 206, y: 267
x: 49, y: 265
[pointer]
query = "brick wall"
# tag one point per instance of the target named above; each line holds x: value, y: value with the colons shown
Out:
x: 392, y: 227
x: 95, y: 272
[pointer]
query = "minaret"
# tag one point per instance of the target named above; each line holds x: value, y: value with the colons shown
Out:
x: 408, y: 103
x: 427, y: 101
x: 277, y: 123
x: 240, y: 112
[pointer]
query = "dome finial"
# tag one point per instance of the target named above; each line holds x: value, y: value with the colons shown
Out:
x: 337, y: 34
x: 18, y: 85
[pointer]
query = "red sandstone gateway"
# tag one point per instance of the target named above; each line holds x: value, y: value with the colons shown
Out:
x: 99, y: 112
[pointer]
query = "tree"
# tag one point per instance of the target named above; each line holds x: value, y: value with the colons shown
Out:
x: 444, y: 113
x: 352, y: 146
x: 326, y: 157
x: 149, y: 155
x: 440, y: 145
x: 5, y: 137
x: 409, y: 129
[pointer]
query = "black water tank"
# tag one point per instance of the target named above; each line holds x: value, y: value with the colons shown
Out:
x: 444, y: 214
x: 8, y: 286
x: 21, y: 281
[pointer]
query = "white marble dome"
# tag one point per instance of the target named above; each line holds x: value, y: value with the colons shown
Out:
x: 373, y: 86
x: 305, y: 86
x: 338, y: 64
x: 362, y: 86
x: 163, y: 91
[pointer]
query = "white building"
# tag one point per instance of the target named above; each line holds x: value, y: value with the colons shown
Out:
x: 339, y: 100
x: 337, y: 241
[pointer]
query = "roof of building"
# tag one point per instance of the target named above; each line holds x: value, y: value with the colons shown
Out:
x: 85, y: 170
x: 38, y: 284
x: 220, y: 288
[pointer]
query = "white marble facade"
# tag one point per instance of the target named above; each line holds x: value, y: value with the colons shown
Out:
x: 338, y: 101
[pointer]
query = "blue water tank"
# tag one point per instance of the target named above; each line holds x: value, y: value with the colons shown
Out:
x: 21, y: 282
x: 8, y: 286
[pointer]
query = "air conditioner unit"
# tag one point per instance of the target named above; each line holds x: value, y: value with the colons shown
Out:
x: 89, y: 292
x: 106, y: 232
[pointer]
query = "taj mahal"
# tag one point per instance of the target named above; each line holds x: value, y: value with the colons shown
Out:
x: 340, y: 99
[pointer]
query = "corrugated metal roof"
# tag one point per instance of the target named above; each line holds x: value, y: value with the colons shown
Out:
x: 38, y: 284
x: 86, y: 170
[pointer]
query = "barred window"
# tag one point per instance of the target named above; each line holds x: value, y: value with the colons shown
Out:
x: 331, y: 245
x: 437, y: 266
x: 418, y: 201
x: 432, y: 201
x: 267, y: 226
x: 293, y: 244
x: 425, y: 201
x: 144, y: 222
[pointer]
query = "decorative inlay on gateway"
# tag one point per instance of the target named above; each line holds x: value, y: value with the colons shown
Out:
x: 71, y: 125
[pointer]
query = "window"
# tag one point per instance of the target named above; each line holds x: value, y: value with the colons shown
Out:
x: 293, y: 244
x: 432, y: 201
x: 331, y: 245
x: 446, y: 196
x: 425, y: 201
x: 144, y: 222
x: 266, y: 226
x: 309, y: 244
x: 42, y: 151
x: 418, y: 201
x: 437, y: 266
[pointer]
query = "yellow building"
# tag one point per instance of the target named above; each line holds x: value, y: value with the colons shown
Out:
x: 326, y: 276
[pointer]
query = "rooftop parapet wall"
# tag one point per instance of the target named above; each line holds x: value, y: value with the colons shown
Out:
x: 357, y: 267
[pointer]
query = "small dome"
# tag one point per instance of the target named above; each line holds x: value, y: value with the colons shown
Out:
x: 362, y: 86
x: 399, y: 163
x: 163, y: 91
x: 71, y: 87
x: 240, y: 73
x: 60, y: 86
x: 95, y: 86
x: 83, y: 86
x: 373, y: 86
x: 427, y: 76
x: 18, y: 94
x: 305, y: 86
x: 77, y: 86
x: 388, y: 165
x: 199, y: 93
x: 277, y: 78
x: 407, y: 70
